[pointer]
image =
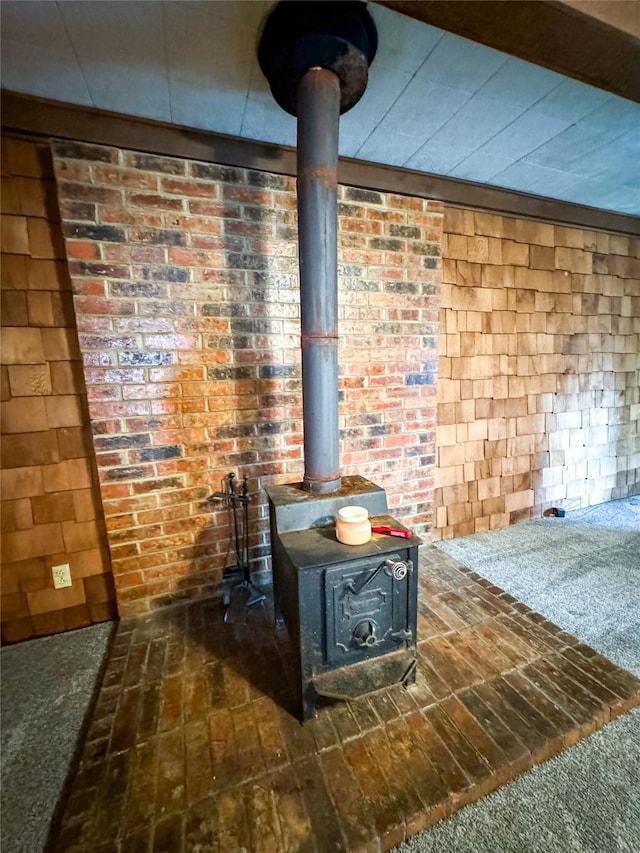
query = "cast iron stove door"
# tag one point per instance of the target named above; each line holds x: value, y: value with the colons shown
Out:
x: 367, y: 609
x: 368, y: 637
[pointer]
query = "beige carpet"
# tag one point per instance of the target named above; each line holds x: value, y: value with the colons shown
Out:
x: 47, y: 687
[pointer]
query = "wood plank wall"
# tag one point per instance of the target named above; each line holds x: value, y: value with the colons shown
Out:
x: 538, y: 391
x: 51, y: 510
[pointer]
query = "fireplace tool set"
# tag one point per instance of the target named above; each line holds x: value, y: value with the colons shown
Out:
x: 239, y: 590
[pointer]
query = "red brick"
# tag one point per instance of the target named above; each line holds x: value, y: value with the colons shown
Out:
x: 326, y: 828
x: 457, y: 782
x: 420, y: 771
x: 535, y: 695
x: 547, y: 728
x: 201, y: 827
x: 262, y: 817
x: 272, y: 739
x: 491, y: 654
x: 233, y: 830
x: 474, y: 767
x: 618, y: 681
x: 402, y: 791
x: 198, y: 761
x: 468, y: 724
x: 368, y: 803
x: 170, y: 703
x: 357, y: 822
x: 489, y: 715
x: 440, y: 656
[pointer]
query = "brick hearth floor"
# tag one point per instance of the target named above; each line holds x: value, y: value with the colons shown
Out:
x: 191, y: 747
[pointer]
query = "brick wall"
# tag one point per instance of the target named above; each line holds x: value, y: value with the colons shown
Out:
x: 51, y: 512
x: 187, y: 302
x: 539, y: 387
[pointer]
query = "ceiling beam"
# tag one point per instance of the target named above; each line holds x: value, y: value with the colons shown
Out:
x: 621, y: 14
x: 552, y: 34
x: 51, y: 119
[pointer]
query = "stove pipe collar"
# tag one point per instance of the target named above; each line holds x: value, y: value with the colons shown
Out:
x: 303, y: 34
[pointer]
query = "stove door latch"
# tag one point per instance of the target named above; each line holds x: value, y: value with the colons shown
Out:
x: 402, y: 636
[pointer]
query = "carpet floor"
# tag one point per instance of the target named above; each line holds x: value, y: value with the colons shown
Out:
x: 47, y: 688
x: 583, y: 573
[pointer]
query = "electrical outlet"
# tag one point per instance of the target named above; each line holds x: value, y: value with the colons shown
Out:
x: 61, y: 576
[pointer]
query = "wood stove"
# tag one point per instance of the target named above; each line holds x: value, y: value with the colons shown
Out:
x: 350, y: 610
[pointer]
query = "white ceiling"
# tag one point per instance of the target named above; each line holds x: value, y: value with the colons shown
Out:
x: 436, y: 102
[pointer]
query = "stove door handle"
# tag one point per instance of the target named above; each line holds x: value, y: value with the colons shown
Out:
x: 397, y: 569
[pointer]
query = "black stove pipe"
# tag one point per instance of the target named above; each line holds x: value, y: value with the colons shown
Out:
x: 318, y: 118
x: 316, y: 56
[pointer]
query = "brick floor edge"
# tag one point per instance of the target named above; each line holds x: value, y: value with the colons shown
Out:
x: 192, y: 746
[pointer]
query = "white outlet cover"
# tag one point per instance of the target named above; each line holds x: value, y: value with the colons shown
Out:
x: 61, y: 576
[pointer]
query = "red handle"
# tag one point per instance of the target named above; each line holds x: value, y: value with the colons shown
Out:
x: 392, y: 531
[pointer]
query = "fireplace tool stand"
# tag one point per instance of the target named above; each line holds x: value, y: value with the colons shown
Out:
x: 239, y: 591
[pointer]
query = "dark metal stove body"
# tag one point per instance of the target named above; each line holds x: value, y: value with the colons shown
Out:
x: 350, y: 611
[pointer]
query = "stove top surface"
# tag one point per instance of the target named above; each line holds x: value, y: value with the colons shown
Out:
x: 318, y: 546
x: 351, y: 487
